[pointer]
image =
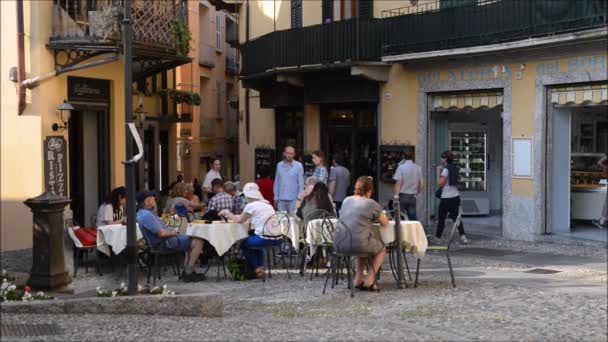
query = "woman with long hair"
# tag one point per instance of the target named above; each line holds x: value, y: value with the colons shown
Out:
x: 316, y: 200
x: 320, y: 173
x: 111, y: 210
x: 359, y: 213
x: 449, y: 203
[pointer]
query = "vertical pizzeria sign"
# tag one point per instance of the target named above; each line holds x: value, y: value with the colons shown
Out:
x: 55, y: 165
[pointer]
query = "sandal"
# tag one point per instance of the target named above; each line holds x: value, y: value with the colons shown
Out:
x: 260, y: 272
x: 360, y: 286
x: 373, y: 288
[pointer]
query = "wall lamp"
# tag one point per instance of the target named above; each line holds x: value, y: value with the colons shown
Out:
x: 67, y: 108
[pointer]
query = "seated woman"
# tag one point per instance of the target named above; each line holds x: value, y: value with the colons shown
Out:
x: 309, y: 184
x: 358, y: 213
x: 178, y: 195
x: 110, y: 211
x: 257, y: 211
x: 195, y: 201
x: 318, y: 199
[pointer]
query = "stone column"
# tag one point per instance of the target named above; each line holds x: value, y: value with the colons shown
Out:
x: 48, y: 266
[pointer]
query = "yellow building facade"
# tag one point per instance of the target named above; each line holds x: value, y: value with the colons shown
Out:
x: 95, y: 134
x: 525, y: 117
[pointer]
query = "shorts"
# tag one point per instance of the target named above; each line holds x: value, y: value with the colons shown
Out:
x: 179, y: 243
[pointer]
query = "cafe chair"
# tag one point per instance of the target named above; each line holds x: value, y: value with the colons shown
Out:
x: 152, y: 254
x: 392, y: 251
x: 283, y: 222
x: 443, y: 248
x: 342, y: 256
x: 324, y: 243
x: 84, y: 242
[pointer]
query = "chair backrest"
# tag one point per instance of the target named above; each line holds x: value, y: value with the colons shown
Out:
x: 277, y: 226
x: 71, y: 228
x: 342, y: 237
x: 455, y: 226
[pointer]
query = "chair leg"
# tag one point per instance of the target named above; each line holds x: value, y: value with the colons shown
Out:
x: 391, y: 262
x: 98, y: 261
x: 75, y: 261
x: 85, y: 253
x: 407, y: 267
x: 330, y: 273
x: 156, y: 270
x: 285, y: 267
x: 417, y: 271
x: 450, y: 267
x: 350, y: 278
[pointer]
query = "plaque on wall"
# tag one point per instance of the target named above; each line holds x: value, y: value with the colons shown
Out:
x: 80, y: 88
x: 55, y: 165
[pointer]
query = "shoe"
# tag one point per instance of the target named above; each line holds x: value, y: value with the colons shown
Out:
x: 193, y: 277
x: 463, y: 239
x: 433, y: 240
x: 373, y: 288
x: 598, y: 224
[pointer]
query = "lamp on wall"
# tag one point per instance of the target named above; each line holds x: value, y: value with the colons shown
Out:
x: 67, y: 108
x: 139, y: 115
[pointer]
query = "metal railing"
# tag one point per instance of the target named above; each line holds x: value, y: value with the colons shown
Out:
x: 206, y: 55
x: 232, y: 62
x: 447, y: 24
x: 353, y: 39
x: 100, y: 20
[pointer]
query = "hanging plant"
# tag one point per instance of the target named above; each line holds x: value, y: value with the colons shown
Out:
x: 181, y: 96
x: 182, y: 35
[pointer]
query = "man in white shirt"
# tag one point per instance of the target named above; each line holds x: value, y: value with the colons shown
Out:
x: 409, y: 184
x: 214, y: 173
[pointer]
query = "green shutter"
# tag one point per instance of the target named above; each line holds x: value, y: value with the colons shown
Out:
x: 296, y: 13
x: 366, y: 8
x: 327, y: 10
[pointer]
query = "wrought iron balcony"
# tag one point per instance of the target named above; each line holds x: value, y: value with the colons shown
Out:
x: 340, y: 41
x: 448, y: 24
x: 85, y: 28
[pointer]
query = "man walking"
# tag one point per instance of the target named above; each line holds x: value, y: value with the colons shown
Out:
x: 214, y: 173
x: 339, y: 182
x: 288, y: 181
x: 409, y: 184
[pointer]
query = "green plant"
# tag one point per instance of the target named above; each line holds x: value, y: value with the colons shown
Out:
x: 181, y: 96
x: 182, y: 35
x: 237, y: 267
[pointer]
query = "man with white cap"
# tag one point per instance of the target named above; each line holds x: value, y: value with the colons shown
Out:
x: 257, y: 211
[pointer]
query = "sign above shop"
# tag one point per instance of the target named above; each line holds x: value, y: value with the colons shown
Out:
x: 80, y: 88
x: 55, y: 165
x: 492, y: 72
x: 572, y: 65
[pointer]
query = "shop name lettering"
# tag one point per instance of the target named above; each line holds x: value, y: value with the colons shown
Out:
x: 576, y: 64
x: 56, y: 173
x: 83, y: 89
x: 467, y: 74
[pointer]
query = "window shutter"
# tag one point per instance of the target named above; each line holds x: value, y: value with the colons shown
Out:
x: 327, y: 10
x: 296, y: 13
x: 218, y: 85
x: 366, y: 8
x: 218, y: 32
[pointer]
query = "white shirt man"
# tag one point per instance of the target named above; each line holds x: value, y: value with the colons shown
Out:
x: 214, y: 173
x: 409, y: 184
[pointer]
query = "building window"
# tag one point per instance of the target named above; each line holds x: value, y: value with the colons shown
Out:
x: 328, y: 11
x: 344, y: 9
x: 296, y: 13
x: 218, y: 86
x: 218, y: 32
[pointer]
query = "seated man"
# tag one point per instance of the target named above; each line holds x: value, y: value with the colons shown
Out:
x: 156, y: 233
x: 220, y: 200
x: 239, y: 198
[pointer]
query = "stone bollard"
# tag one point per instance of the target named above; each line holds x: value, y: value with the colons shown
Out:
x: 48, y: 266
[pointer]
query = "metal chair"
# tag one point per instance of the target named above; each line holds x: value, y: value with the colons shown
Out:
x: 80, y: 250
x: 391, y: 251
x: 326, y: 238
x: 342, y: 252
x: 443, y: 248
x: 153, y: 253
x: 279, y: 222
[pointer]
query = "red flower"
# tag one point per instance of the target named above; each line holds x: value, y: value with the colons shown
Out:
x: 28, y: 289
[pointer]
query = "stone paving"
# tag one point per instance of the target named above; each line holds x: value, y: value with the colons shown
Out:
x: 495, y: 299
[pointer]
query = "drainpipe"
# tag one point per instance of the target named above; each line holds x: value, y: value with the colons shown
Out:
x: 20, y: 57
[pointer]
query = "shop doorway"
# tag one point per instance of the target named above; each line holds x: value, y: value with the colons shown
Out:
x: 577, y: 184
x: 289, y: 130
x: 474, y: 135
x: 352, y: 133
x: 89, y: 158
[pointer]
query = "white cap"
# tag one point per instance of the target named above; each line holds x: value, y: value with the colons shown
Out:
x: 251, y: 190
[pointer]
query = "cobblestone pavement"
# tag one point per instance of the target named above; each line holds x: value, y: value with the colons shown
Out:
x: 495, y: 299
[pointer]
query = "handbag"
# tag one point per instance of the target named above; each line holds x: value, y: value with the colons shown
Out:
x: 438, y: 192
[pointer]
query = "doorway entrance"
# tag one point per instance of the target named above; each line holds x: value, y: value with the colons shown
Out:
x: 352, y: 131
x: 89, y: 144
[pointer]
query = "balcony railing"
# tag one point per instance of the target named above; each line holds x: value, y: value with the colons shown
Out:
x: 232, y: 62
x: 448, y: 24
x: 206, y: 55
x: 99, y: 21
x: 340, y: 41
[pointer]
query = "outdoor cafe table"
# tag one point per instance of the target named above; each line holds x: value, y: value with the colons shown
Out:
x: 113, y: 238
x: 412, y: 235
x: 223, y: 235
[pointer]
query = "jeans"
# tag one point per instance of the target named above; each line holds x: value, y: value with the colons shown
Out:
x: 255, y: 257
x: 448, y: 206
x: 286, y: 206
x: 407, y: 204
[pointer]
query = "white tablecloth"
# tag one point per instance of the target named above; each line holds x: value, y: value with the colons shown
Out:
x: 220, y: 235
x: 294, y: 230
x: 317, y: 233
x: 413, y: 236
x: 114, y: 237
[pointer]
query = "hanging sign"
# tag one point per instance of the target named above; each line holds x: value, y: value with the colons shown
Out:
x: 55, y: 165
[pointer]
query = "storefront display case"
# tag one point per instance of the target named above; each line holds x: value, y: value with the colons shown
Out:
x: 588, y: 184
x: 264, y: 157
x: 391, y: 156
x: 470, y: 151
